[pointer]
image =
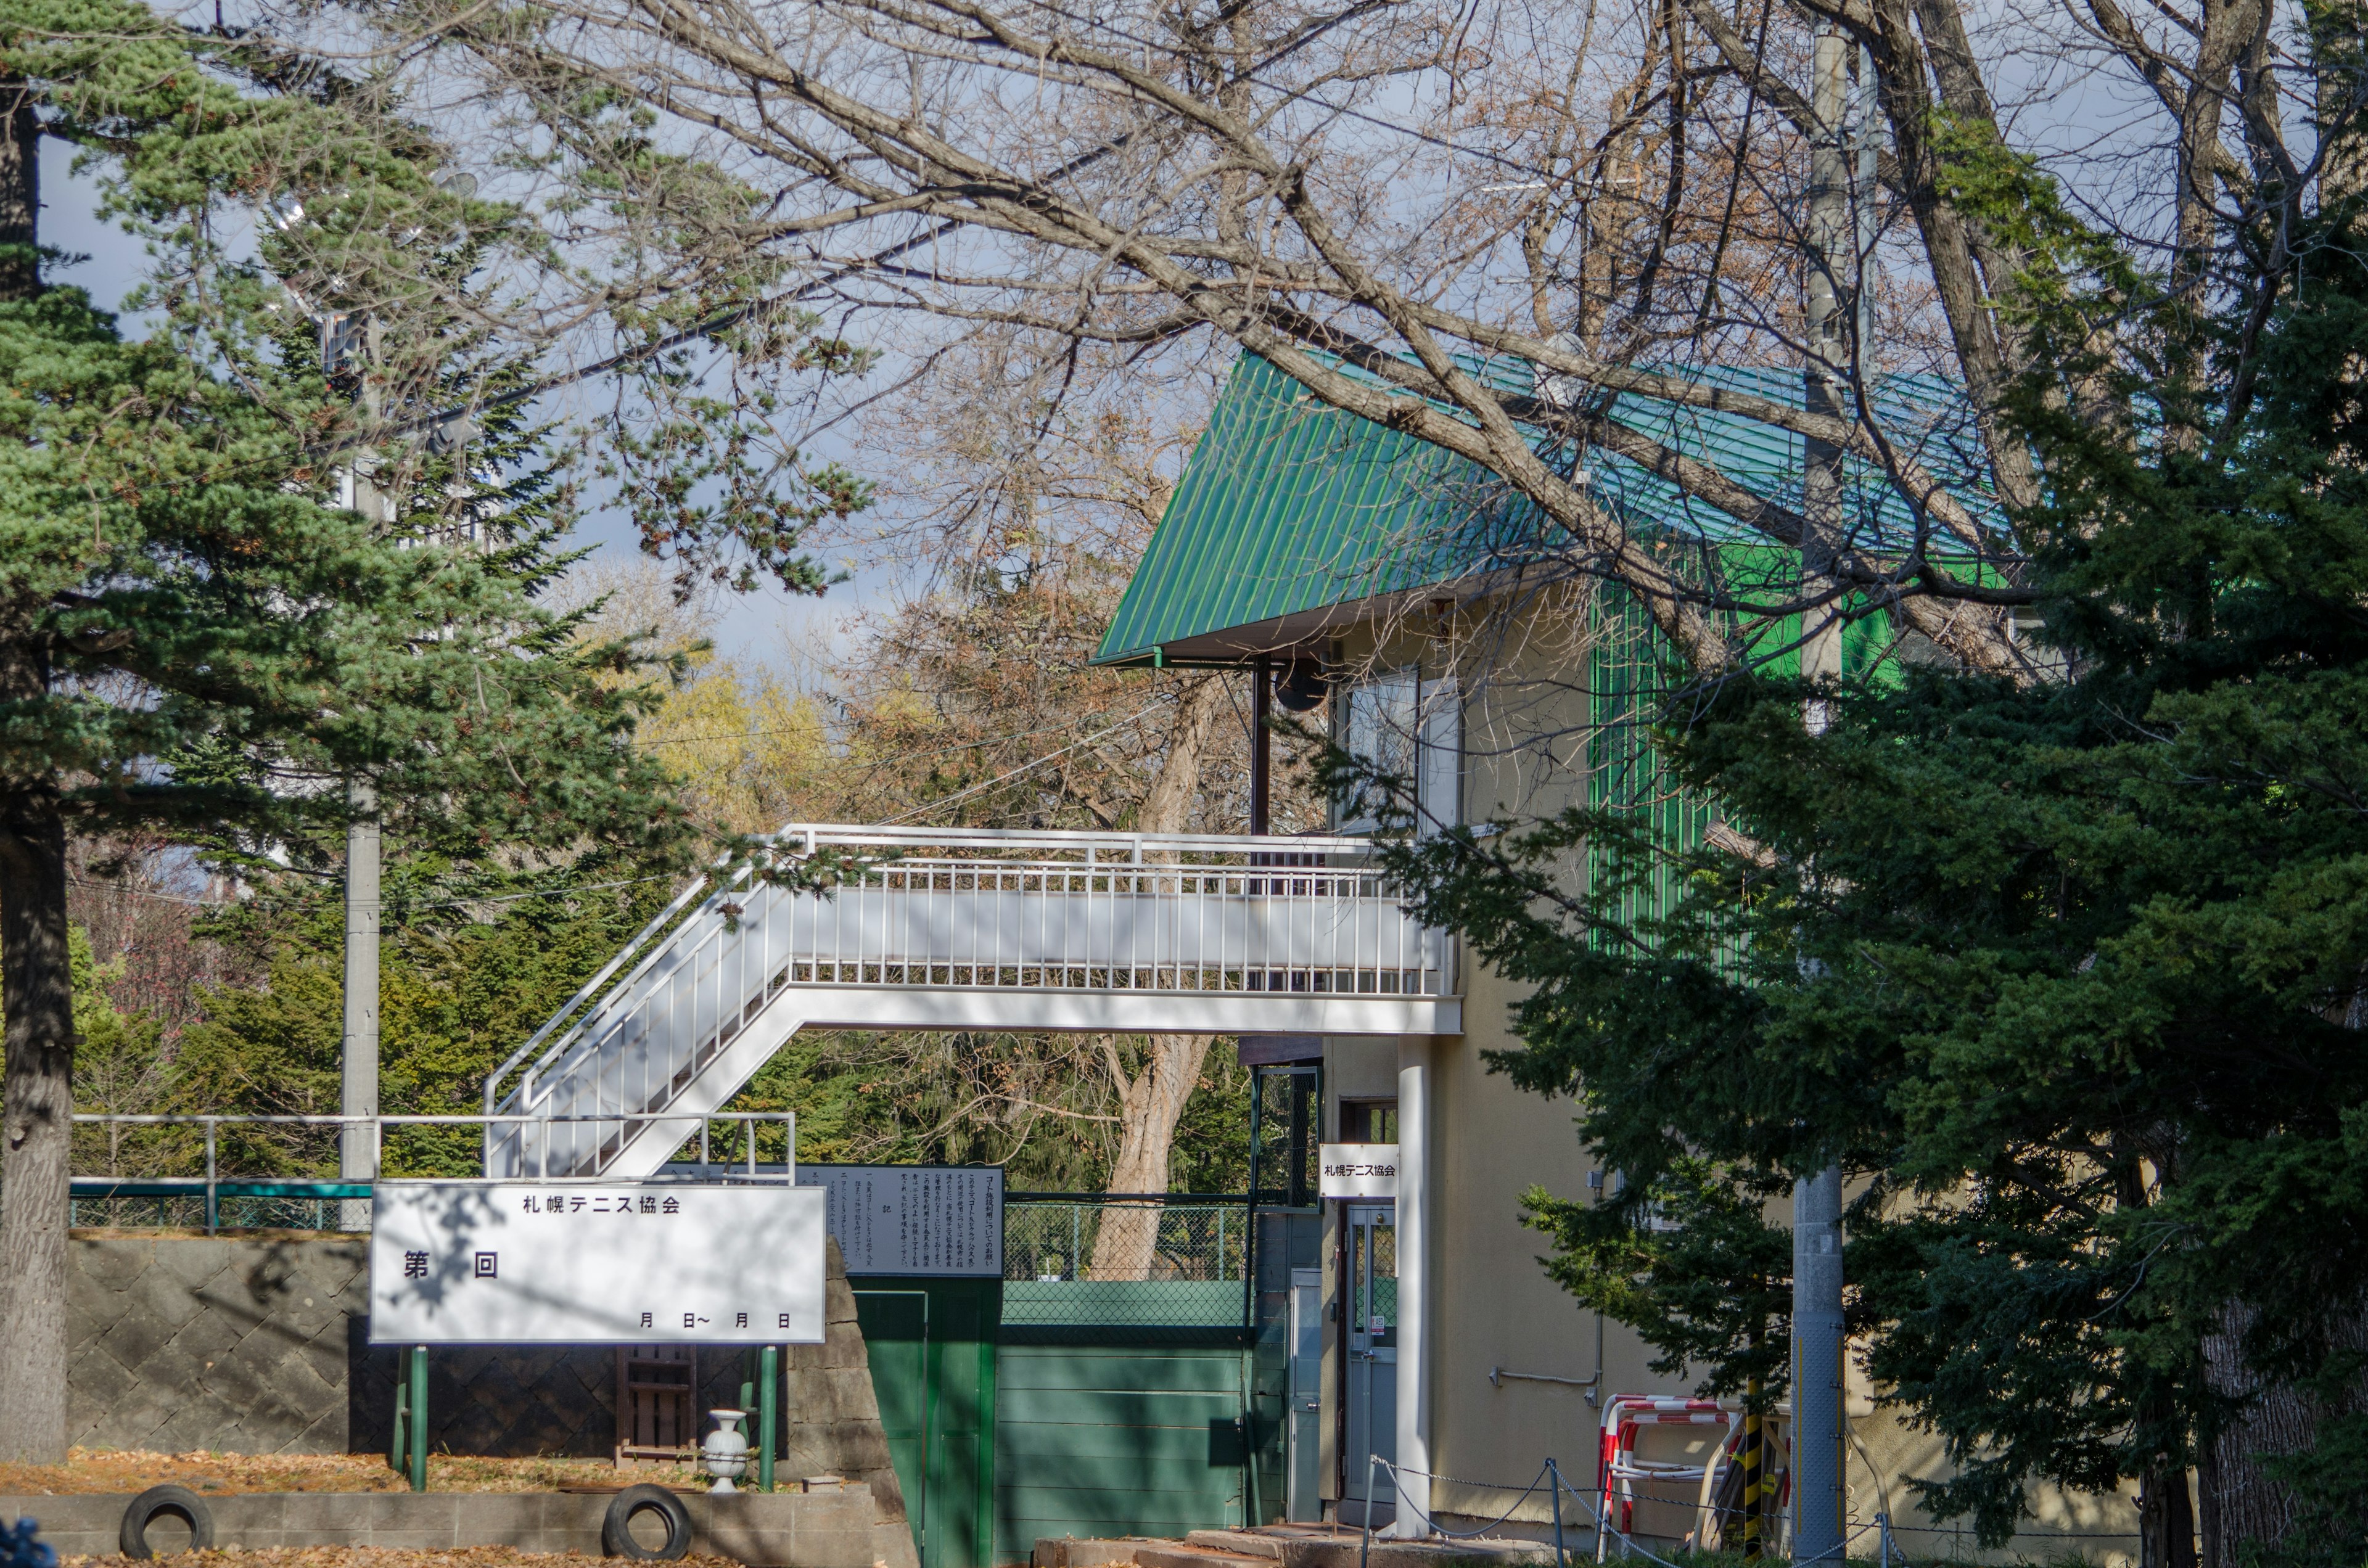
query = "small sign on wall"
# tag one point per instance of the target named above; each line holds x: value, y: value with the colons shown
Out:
x: 1359, y: 1170
x: 942, y: 1221
x: 532, y: 1263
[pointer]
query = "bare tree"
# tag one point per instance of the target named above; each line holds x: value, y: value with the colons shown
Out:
x: 1387, y: 201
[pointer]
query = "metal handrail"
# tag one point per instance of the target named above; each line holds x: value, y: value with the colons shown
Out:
x: 1265, y: 913
x: 810, y: 836
x: 211, y: 1182
x: 813, y: 836
x: 591, y: 987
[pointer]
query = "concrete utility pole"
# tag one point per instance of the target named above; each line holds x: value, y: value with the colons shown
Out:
x: 1819, y: 1501
x: 357, y: 1150
x: 357, y: 1061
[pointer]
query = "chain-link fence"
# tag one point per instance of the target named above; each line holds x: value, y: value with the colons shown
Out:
x: 187, y: 1212
x: 1125, y: 1261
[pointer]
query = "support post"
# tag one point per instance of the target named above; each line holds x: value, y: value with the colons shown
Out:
x: 1413, y: 1216
x: 768, y: 1394
x: 1830, y: 277
x: 1754, y: 1458
x: 398, y: 1443
x: 357, y: 1140
x: 1819, y: 1501
x: 418, y: 1433
x: 1262, y: 749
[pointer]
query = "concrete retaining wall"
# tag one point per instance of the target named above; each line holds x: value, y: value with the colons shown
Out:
x: 261, y: 1344
x: 823, y: 1529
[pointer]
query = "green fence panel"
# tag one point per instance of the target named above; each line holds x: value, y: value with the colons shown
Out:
x: 931, y: 1345
x: 1107, y: 1439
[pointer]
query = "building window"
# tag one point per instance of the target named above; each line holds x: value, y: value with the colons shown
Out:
x: 1369, y: 1121
x: 1410, y: 729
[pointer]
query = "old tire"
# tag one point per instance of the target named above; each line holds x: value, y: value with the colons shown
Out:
x: 166, y: 1500
x: 616, y: 1531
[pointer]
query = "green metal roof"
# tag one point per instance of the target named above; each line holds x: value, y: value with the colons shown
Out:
x: 1289, y: 507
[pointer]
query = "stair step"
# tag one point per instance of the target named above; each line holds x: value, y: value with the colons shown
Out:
x: 1249, y: 1543
x: 1175, y: 1554
x: 1070, y: 1552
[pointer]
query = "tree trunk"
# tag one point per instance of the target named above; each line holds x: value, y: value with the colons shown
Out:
x: 1151, y: 1101
x: 21, y: 195
x: 2165, y: 1519
x: 37, y: 1114
x: 36, y: 974
x: 2242, y: 1505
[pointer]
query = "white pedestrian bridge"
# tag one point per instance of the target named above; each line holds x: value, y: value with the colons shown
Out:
x: 969, y: 929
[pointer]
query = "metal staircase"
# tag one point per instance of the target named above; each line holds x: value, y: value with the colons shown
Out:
x: 971, y: 929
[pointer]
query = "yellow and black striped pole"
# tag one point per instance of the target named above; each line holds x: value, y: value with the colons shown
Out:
x: 1754, y: 1461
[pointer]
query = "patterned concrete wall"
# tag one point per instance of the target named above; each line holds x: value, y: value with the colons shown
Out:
x: 261, y: 1345
x: 243, y: 1346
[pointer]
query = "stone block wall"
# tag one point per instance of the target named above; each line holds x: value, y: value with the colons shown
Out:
x: 243, y: 1345
x: 261, y: 1344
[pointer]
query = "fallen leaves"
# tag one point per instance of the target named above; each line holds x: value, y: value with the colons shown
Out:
x: 133, y: 1470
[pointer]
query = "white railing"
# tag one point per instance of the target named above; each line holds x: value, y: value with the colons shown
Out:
x: 956, y: 910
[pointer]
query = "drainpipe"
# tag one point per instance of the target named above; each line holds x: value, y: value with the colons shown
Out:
x: 1414, y: 1222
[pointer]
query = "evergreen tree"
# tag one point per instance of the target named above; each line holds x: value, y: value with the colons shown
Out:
x: 247, y: 584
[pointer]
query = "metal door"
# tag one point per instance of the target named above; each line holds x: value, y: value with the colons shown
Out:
x: 1371, y: 1256
x: 1303, y: 1404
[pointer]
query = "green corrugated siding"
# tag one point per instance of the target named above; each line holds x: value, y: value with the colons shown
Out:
x: 1109, y: 1440
x: 1288, y: 505
x: 1628, y: 663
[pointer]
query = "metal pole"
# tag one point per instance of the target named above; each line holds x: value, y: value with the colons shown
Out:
x: 768, y: 1374
x: 419, y: 1418
x: 359, y: 1067
x: 1262, y: 753
x: 213, y: 1199
x: 1817, y: 1481
x: 1553, y: 1479
x: 398, y: 1448
x: 1412, y: 1217
x: 1755, y: 1460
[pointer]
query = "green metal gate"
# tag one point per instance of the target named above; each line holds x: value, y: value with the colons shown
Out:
x: 1051, y: 1405
x: 1112, y: 1438
x: 931, y: 1345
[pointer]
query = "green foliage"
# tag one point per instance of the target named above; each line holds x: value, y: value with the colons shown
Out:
x: 220, y: 641
x: 456, y: 996
x: 2068, y: 975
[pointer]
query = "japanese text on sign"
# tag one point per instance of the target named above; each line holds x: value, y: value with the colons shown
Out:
x: 1358, y: 1170
x: 945, y: 1220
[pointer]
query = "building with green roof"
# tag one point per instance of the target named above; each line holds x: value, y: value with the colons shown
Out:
x: 1426, y: 594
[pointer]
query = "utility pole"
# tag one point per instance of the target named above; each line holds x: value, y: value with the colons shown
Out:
x: 1818, y: 1497
x: 357, y: 1148
x: 358, y: 1060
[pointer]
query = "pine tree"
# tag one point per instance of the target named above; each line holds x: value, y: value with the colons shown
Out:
x: 195, y: 634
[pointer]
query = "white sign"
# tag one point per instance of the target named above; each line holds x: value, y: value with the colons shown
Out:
x: 529, y: 1263
x: 945, y: 1220
x: 1359, y: 1170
